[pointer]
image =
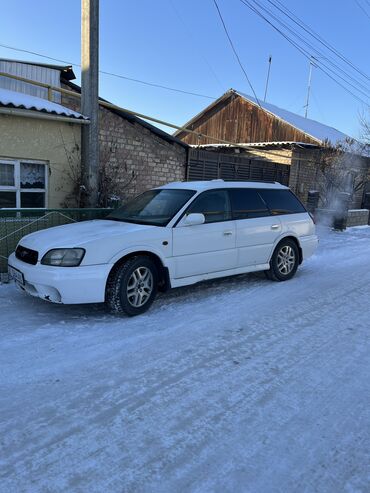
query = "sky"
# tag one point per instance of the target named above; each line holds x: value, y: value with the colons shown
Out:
x: 182, y: 44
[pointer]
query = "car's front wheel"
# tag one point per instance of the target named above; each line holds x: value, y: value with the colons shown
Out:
x: 132, y: 286
x: 284, y: 261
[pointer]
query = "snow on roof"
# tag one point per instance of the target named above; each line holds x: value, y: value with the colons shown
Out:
x: 14, y: 99
x: 314, y: 129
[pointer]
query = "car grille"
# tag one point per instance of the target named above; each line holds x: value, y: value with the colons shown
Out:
x: 26, y: 255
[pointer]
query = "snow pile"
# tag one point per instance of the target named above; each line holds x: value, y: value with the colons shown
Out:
x: 16, y: 99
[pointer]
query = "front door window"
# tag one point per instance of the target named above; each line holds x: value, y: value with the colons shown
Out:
x: 215, y: 206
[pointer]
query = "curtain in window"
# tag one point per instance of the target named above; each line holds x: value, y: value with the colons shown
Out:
x: 32, y: 175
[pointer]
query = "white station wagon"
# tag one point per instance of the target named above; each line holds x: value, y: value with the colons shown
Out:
x: 171, y: 236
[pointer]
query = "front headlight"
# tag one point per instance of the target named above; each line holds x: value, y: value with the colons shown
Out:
x: 63, y: 257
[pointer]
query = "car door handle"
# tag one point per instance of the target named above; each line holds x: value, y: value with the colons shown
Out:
x: 275, y: 226
x: 228, y: 233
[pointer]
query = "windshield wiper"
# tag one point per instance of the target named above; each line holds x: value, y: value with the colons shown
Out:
x: 112, y: 219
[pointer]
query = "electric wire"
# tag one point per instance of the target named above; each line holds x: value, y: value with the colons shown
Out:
x: 319, y: 54
x: 301, y: 50
x: 235, y: 52
x: 112, y: 74
x: 315, y: 35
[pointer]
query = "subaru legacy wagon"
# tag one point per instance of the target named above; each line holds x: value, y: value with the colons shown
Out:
x: 171, y: 236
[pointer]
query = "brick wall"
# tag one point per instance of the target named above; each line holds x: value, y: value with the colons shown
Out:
x: 303, y: 173
x: 135, y: 157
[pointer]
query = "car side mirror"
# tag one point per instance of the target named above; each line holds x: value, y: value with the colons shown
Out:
x: 194, y: 219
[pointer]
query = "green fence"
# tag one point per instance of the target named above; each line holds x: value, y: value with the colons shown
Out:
x: 16, y: 223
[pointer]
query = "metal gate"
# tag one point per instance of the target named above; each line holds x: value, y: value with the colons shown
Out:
x: 207, y: 165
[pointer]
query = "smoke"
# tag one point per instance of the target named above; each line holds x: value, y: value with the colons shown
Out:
x: 340, y: 181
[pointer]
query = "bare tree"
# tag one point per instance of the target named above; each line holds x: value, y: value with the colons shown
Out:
x: 365, y: 131
x: 339, y: 168
x: 115, y: 177
x: 73, y: 178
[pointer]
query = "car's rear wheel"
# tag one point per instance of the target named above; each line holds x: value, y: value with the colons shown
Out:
x: 132, y: 286
x: 284, y: 261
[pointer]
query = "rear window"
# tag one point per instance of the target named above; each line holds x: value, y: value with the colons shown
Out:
x: 281, y: 202
x: 246, y: 203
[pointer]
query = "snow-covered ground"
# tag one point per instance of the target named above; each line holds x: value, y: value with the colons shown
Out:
x: 239, y: 385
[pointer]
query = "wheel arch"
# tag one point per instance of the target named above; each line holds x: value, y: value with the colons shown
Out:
x: 163, y: 273
x: 296, y: 241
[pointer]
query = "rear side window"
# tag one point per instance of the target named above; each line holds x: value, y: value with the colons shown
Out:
x: 246, y: 203
x: 282, y: 202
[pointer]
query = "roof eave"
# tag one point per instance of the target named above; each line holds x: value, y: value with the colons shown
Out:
x: 23, y: 112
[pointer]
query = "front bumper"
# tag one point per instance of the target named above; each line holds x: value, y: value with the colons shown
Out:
x: 69, y: 285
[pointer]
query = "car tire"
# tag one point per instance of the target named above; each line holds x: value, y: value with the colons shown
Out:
x: 132, y: 286
x: 284, y: 261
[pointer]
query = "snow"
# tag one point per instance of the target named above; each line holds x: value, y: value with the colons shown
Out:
x: 313, y: 128
x: 233, y: 385
x: 16, y: 99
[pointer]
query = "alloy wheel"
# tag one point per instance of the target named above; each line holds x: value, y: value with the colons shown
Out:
x: 286, y: 260
x: 140, y: 286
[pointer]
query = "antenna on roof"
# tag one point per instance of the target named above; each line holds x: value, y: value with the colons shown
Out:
x: 268, y: 78
x: 309, y: 85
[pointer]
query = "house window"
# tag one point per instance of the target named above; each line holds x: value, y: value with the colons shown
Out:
x: 23, y: 184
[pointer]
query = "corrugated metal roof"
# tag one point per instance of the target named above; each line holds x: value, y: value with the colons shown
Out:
x: 13, y: 99
x: 283, y: 143
x: 67, y: 70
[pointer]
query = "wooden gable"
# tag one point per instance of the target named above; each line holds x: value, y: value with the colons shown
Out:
x: 236, y: 119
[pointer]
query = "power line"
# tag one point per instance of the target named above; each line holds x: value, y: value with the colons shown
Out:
x: 363, y: 9
x: 119, y: 76
x: 304, y: 40
x: 190, y: 34
x: 235, y: 52
x: 318, y: 39
x: 300, y: 49
x: 316, y: 36
x: 152, y: 84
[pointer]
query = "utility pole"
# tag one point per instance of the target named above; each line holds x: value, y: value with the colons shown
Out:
x: 90, y: 97
x: 309, y: 86
x: 268, y: 78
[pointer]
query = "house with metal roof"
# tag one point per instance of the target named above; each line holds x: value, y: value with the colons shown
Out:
x: 238, y: 137
x: 239, y: 118
x: 38, y: 138
x: 40, y: 128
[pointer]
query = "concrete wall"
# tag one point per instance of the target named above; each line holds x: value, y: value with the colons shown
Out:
x: 44, y: 140
x: 357, y: 217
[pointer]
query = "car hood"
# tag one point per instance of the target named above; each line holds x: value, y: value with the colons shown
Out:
x: 78, y: 234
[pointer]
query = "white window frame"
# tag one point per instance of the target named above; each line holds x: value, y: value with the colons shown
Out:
x: 17, y: 180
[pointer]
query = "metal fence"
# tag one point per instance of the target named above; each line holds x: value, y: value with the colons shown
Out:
x: 210, y: 165
x: 16, y: 223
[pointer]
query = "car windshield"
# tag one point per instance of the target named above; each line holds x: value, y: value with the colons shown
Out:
x: 154, y: 207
